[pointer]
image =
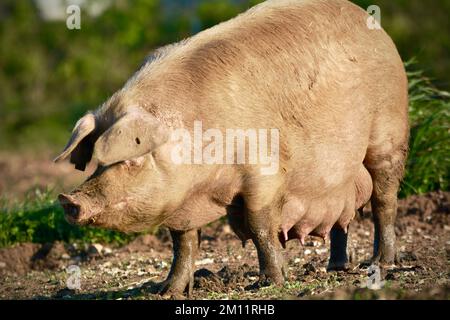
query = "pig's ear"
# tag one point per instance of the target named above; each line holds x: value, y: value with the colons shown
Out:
x: 133, y: 135
x: 81, y: 143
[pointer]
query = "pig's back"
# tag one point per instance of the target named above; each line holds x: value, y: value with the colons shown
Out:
x: 313, y: 69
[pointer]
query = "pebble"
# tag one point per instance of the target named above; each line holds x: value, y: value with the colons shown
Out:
x: 161, y: 265
x: 204, y: 261
x: 226, y: 229
x: 2, y: 264
x: 95, y: 249
x: 307, y: 251
x: 320, y: 251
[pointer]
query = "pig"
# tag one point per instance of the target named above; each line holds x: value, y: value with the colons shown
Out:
x: 333, y: 87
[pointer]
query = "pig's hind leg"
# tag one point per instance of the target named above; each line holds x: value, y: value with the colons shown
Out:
x: 385, y: 161
x: 181, y: 275
x: 338, y: 250
x: 338, y: 235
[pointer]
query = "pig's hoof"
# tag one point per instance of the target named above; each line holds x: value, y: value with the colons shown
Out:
x: 173, y: 296
x: 265, y: 281
x: 338, y: 266
x: 375, y: 261
x: 169, y: 293
x: 174, y: 289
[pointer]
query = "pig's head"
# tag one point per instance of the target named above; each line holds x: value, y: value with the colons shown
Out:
x: 126, y: 192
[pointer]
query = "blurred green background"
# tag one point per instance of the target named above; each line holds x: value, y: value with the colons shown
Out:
x: 50, y: 76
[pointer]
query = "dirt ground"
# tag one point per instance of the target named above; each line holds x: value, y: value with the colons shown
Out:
x: 23, y: 172
x: 224, y: 268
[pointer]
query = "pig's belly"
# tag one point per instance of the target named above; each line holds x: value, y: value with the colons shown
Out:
x: 311, y: 214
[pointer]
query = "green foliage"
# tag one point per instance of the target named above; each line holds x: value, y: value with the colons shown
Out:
x: 39, y: 219
x: 419, y: 29
x: 50, y: 76
x: 428, y: 165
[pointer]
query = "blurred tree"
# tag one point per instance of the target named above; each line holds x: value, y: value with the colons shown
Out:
x: 419, y: 29
x: 50, y: 75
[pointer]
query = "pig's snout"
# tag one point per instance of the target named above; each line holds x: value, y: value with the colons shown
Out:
x: 77, y: 211
x: 72, y: 208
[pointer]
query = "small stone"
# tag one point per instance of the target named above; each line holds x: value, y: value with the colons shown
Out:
x: 161, y: 265
x: 307, y: 252
x: 95, y: 249
x: 2, y: 264
x: 204, y: 261
x: 65, y: 256
x: 297, y: 260
x: 107, y: 251
x: 226, y: 229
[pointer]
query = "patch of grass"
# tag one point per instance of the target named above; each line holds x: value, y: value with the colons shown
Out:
x: 428, y: 165
x: 39, y: 219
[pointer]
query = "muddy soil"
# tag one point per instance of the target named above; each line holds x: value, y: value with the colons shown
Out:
x: 25, y: 172
x: 225, y: 270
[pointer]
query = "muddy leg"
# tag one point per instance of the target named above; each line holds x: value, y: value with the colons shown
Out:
x: 338, y: 250
x: 265, y: 237
x: 386, y: 182
x: 384, y: 207
x: 181, y: 275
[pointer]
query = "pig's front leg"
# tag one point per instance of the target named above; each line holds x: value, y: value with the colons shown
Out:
x: 181, y: 275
